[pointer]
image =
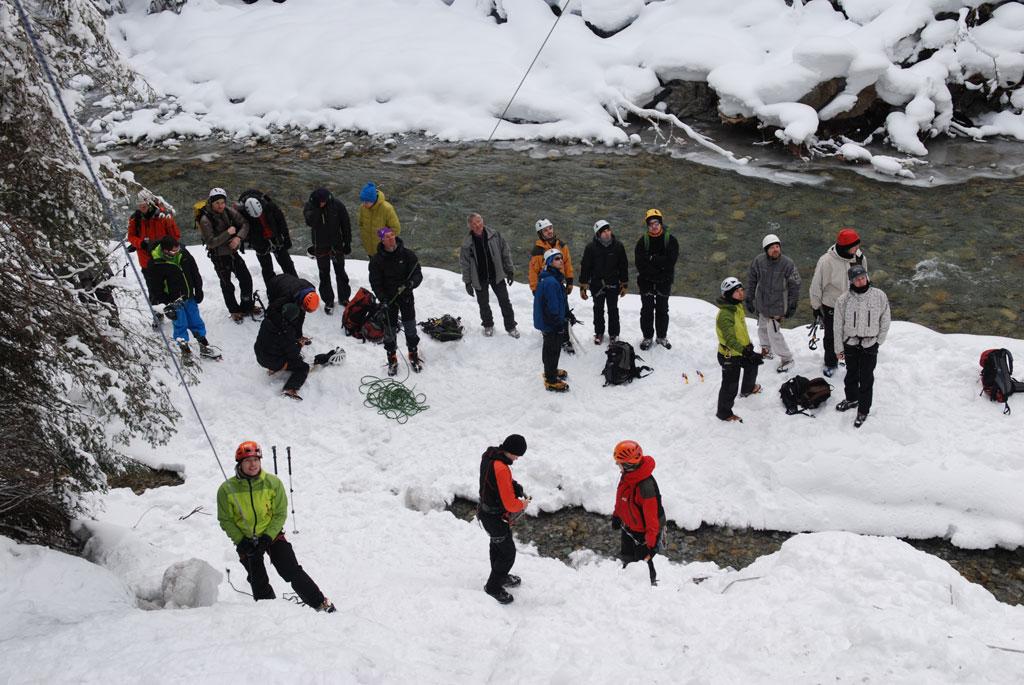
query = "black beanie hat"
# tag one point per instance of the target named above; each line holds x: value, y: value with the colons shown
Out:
x: 514, y: 444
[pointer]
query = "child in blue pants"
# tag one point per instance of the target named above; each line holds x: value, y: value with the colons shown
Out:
x: 177, y: 284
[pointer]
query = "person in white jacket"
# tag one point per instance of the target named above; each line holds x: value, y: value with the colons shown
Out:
x: 861, y: 324
x: 829, y: 282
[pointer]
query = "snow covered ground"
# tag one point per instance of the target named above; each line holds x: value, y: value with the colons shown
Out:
x: 448, y: 68
x: 933, y: 459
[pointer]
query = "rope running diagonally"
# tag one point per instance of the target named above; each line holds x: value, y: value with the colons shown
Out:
x: 527, y: 73
x: 109, y: 214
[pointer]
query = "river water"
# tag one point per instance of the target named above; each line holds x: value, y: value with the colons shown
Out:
x: 949, y: 257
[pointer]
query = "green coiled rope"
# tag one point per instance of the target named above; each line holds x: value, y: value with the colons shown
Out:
x: 391, y: 398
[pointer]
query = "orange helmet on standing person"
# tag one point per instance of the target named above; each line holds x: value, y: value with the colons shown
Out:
x: 628, y: 452
x: 249, y: 448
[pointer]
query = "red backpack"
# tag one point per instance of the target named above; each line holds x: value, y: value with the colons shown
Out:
x: 363, y: 317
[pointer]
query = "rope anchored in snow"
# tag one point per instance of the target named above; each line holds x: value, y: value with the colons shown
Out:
x: 391, y: 398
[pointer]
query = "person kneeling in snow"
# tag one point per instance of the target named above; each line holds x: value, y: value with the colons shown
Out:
x: 502, y: 501
x: 279, y: 343
x: 252, y: 508
x: 638, y: 512
x: 175, y: 282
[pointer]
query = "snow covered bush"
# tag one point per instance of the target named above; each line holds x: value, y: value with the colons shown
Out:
x: 75, y: 379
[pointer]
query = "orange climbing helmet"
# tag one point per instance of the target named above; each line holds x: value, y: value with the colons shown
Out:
x: 249, y: 448
x: 628, y: 452
x: 311, y: 301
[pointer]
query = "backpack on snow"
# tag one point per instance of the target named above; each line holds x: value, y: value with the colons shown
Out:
x: 444, y: 328
x: 997, y: 376
x: 620, y: 366
x: 363, y: 317
x: 799, y: 393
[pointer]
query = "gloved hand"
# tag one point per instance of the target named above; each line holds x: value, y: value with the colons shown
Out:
x: 409, y: 285
x: 145, y: 246
x: 571, y: 318
x: 568, y: 288
x: 198, y: 296
x: 517, y: 489
x: 509, y: 281
x: 583, y: 292
x: 616, y: 523
x: 622, y: 289
x: 263, y: 543
x: 246, y: 547
x: 816, y: 313
x: 171, y: 312
x: 648, y: 553
x: 469, y: 290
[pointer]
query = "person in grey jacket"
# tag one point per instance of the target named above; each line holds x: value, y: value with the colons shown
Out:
x: 223, y: 229
x: 829, y: 282
x: 861, y: 324
x: 774, y: 294
x: 486, y: 262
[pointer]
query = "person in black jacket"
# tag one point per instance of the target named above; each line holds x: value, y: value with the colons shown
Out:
x: 394, y: 274
x: 332, y: 240
x: 655, y: 259
x: 175, y: 282
x: 268, y: 232
x: 605, y: 273
x: 279, y: 344
x: 285, y: 288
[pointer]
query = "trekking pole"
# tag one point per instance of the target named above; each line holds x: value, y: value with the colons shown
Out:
x: 273, y: 449
x: 291, y: 493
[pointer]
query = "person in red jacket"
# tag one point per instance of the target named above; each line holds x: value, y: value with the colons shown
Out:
x: 147, y: 226
x: 501, y: 502
x: 638, y: 511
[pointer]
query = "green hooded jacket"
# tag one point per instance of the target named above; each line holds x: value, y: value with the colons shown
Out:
x: 250, y: 507
x: 731, y: 326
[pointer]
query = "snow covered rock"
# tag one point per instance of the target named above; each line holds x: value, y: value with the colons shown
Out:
x: 190, y: 584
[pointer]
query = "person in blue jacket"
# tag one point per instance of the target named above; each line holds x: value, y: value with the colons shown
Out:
x: 550, y: 311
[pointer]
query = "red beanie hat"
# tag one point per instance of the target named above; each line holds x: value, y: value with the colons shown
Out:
x: 847, y: 238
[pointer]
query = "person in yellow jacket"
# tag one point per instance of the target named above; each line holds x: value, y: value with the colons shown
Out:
x: 375, y: 213
x: 735, y: 351
x: 252, y: 508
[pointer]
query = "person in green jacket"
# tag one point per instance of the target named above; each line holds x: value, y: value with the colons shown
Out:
x: 735, y: 351
x: 375, y: 213
x: 252, y: 508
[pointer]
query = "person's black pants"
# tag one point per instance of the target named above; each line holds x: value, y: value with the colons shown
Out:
x: 609, y: 296
x: 501, y: 292
x: 284, y: 260
x: 323, y: 264
x: 828, y: 317
x: 295, y: 364
x: 502, y: 550
x: 406, y: 306
x: 225, y: 266
x: 859, y: 383
x: 654, y: 312
x: 550, y: 352
x: 283, y: 558
x: 731, y: 368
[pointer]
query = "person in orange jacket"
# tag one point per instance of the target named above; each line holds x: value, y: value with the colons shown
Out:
x: 501, y: 502
x: 151, y: 221
x: 638, y: 511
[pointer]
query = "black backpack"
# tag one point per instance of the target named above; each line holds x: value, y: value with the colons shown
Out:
x: 799, y: 393
x: 997, y: 376
x: 620, y: 366
x: 444, y: 328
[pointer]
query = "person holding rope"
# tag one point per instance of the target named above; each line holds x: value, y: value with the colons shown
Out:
x: 502, y: 501
x: 638, y: 514
x: 328, y: 220
x: 394, y: 273
x: 252, y: 508
x: 268, y: 232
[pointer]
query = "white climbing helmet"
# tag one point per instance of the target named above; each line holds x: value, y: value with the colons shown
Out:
x: 730, y: 283
x: 770, y: 239
x: 215, y: 192
x: 253, y: 207
x: 553, y: 252
x: 600, y: 225
x: 542, y: 224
